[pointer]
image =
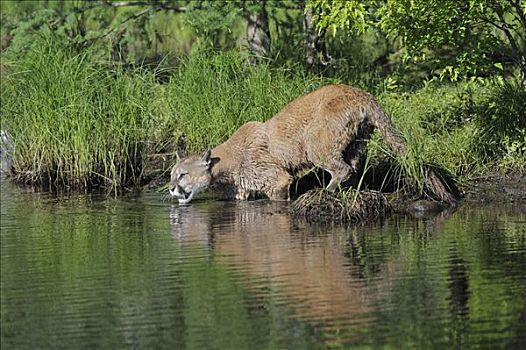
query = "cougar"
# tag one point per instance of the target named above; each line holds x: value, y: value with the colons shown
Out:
x: 327, y: 128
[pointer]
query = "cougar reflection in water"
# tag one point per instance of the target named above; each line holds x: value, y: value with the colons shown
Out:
x: 305, y: 265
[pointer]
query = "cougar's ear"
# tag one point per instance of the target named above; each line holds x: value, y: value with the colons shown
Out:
x: 177, y: 157
x: 206, y: 158
x: 181, y: 147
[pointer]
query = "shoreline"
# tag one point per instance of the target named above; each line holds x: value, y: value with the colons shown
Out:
x: 495, y: 188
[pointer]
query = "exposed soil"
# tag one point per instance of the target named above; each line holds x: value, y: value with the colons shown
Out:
x: 496, y: 188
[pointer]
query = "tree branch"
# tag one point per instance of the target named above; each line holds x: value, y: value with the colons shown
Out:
x: 151, y: 7
x: 129, y: 18
x: 156, y: 5
x: 507, y: 32
x: 519, y: 56
x: 499, y: 11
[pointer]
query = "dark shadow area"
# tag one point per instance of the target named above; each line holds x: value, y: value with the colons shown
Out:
x: 381, y: 176
x: 385, y: 176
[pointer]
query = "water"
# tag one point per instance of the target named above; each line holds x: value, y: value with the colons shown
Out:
x: 94, y: 272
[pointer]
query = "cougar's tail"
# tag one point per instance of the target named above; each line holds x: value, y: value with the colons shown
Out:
x: 385, y: 126
x: 437, y: 181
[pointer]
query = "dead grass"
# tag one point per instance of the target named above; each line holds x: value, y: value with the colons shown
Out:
x: 351, y: 206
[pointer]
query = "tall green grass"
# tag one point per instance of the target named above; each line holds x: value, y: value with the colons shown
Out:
x: 73, y: 122
x: 212, y: 95
x: 468, y: 128
x: 78, y: 121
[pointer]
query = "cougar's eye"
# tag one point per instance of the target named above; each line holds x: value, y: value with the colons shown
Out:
x: 180, y: 176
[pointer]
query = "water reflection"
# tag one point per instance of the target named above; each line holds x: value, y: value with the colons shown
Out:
x: 348, y: 281
x: 331, y: 276
x: 301, y: 265
x: 135, y: 272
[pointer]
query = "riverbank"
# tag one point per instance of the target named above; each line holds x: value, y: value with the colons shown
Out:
x: 365, y: 206
x: 496, y: 188
x: 79, y: 122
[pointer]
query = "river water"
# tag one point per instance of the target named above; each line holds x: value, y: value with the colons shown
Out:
x: 87, y: 271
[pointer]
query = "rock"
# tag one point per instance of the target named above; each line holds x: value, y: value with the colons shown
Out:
x: 425, y: 208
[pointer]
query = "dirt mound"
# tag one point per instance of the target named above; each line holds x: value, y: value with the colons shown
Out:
x: 346, y: 206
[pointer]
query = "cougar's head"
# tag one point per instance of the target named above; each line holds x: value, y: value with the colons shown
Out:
x: 189, y: 176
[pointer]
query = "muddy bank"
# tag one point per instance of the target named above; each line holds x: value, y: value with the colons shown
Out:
x: 357, y: 207
x: 496, y: 188
x: 320, y: 205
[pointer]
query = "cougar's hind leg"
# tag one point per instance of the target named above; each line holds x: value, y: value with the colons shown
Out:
x: 327, y: 151
x: 340, y: 171
x: 352, y: 156
x: 334, y: 163
x: 355, y: 153
x: 356, y: 150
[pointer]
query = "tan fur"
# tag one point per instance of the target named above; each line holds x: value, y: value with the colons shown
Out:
x: 326, y: 128
x: 310, y: 264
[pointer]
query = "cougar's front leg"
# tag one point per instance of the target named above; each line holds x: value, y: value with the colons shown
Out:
x: 278, y: 189
x: 242, y: 194
x: 234, y: 192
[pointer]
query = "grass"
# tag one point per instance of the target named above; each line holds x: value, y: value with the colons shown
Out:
x: 467, y: 129
x: 75, y: 124
x: 78, y: 121
x: 214, y: 94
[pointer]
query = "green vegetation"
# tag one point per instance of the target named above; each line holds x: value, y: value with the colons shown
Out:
x: 78, y: 122
x: 73, y: 122
x: 453, y: 38
x: 91, y: 90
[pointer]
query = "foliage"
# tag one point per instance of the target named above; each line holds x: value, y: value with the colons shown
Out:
x: 466, y: 128
x: 457, y: 39
x: 335, y: 14
x: 74, y: 122
x: 460, y: 38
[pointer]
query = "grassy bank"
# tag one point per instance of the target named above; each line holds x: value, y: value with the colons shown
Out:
x: 78, y: 121
x: 74, y: 122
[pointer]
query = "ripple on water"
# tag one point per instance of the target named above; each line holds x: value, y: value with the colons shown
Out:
x: 138, y: 272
